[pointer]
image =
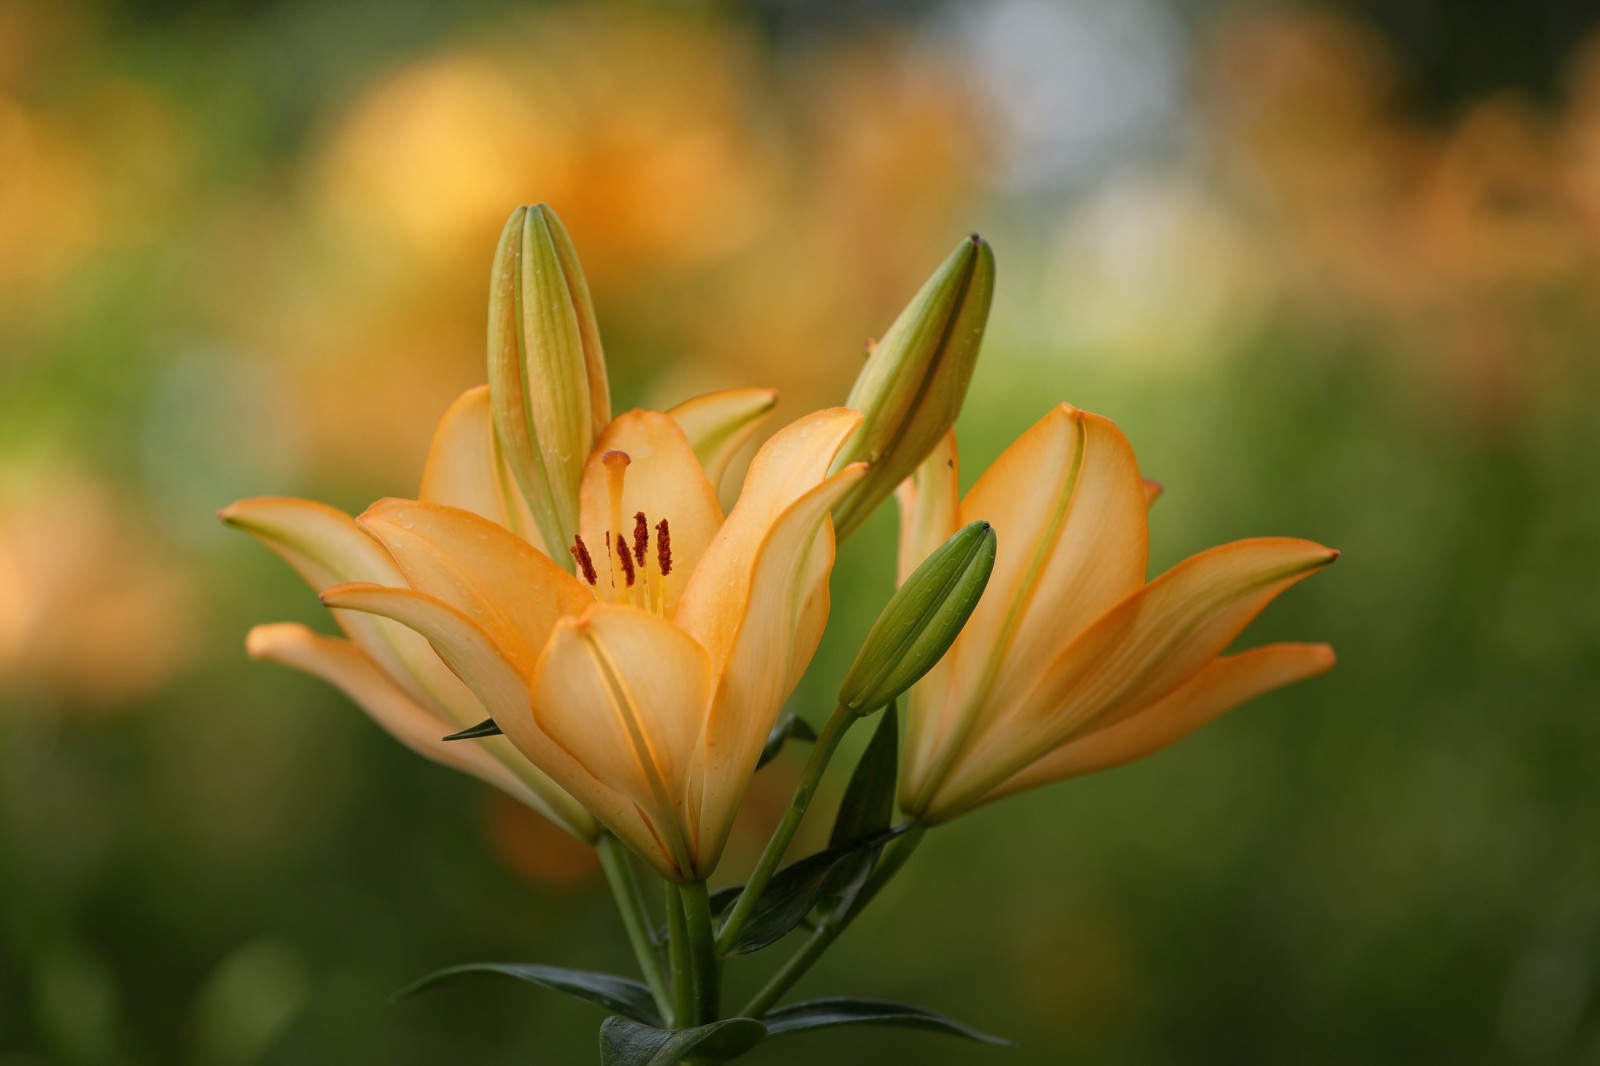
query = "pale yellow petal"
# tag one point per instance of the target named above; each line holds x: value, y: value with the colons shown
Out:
x: 661, y: 480
x: 1135, y: 654
x: 625, y: 694
x: 719, y: 424
x: 928, y: 501
x: 492, y: 759
x: 509, y: 590
x: 327, y: 548
x: 772, y: 643
x: 1217, y: 689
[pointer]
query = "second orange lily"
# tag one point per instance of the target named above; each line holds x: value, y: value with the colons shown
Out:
x: 1071, y: 662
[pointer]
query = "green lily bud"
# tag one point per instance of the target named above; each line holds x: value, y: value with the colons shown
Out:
x: 547, y: 374
x: 916, y: 378
x: 921, y: 621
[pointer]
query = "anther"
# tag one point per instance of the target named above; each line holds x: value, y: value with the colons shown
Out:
x: 641, y: 537
x: 580, y: 552
x: 627, y: 562
x: 663, y: 547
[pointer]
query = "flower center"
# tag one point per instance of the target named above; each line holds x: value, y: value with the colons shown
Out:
x: 627, y: 570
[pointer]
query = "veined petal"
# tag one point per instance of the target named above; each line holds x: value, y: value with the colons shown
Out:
x: 787, y: 467
x: 492, y: 760
x: 466, y: 470
x: 928, y: 501
x: 625, y: 693
x: 1068, y: 508
x: 772, y: 642
x: 509, y: 590
x: 327, y: 548
x: 1135, y: 654
x: 1217, y: 689
x: 662, y: 480
x: 718, y: 424
x: 505, y: 694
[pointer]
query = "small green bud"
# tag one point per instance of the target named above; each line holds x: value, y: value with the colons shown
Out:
x: 921, y: 621
x: 547, y: 373
x: 916, y: 378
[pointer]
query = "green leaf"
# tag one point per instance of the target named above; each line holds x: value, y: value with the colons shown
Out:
x: 843, y: 1010
x: 865, y: 811
x: 790, y: 727
x: 485, y: 728
x: 627, y: 1043
x: 621, y: 994
x: 796, y: 889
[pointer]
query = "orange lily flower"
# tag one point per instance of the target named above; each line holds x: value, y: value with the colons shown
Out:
x: 646, y: 682
x: 390, y: 671
x: 1073, y: 663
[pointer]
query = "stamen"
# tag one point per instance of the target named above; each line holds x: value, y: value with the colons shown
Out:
x: 641, y: 537
x: 580, y: 552
x: 627, y: 562
x: 663, y: 547
x: 609, y: 568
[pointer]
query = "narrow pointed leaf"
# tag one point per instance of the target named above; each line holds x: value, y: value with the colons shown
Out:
x: 627, y: 1043
x: 797, y: 888
x: 485, y: 728
x: 621, y: 994
x: 790, y: 727
x: 865, y: 812
x: 843, y: 1010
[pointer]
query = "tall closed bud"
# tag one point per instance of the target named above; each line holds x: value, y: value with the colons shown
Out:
x: 547, y: 373
x: 916, y: 378
x: 921, y: 620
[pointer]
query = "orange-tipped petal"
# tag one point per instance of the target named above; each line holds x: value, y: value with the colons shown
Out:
x: 719, y: 424
x: 771, y: 644
x: 625, y: 693
x: 1217, y: 689
x: 509, y: 590
x: 1152, y: 491
x: 1135, y: 654
x: 662, y: 480
x: 327, y: 548
x: 1067, y: 505
x: 787, y: 467
x: 343, y: 665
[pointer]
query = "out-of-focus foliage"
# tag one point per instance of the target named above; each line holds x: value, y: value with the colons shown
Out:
x: 1332, y: 282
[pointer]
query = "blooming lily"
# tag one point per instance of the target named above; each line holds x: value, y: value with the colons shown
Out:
x: 646, y: 681
x: 1073, y: 663
x: 390, y: 671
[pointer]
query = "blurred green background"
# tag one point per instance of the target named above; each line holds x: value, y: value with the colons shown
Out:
x: 1335, y: 269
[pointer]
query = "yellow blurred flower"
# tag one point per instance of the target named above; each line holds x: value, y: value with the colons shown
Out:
x: 1071, y: 662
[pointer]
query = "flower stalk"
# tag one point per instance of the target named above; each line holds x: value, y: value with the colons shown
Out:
x: 618, y: 867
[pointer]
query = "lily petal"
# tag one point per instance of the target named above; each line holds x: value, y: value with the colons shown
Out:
x: 1136, y: 653
x: 1068, y: 508
x: 1217, y: 689
x: 662, y: 479
x: 719, y: 424
x: 788, y: 466
x: 769, y: 649
x: 928, y: 501
x: 327, y: 548
x: 343, y: 665
x: 465, y: 468
x: 625, y: 693
x: 512, y: 592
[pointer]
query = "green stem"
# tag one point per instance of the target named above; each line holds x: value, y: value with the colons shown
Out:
x: 821, y: 752
x: 635, y: 916
x: 678, y: 953
x: 823, y: 936
x: 703, y: 958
